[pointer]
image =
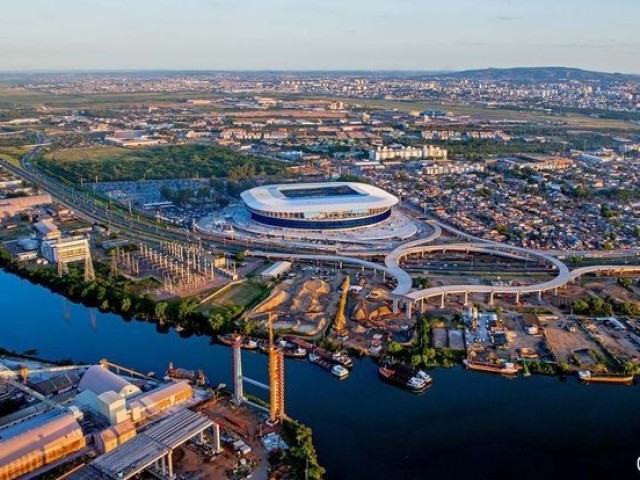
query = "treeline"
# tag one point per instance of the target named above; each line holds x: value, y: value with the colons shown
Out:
x: 597, y: 307
x: 125, y: 297
x: 301, y: 456
x: 422, y: 353
x: 173, y: 161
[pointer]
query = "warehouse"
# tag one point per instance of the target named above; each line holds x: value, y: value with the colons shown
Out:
x: 99, y: 379
x: 159, y: 399
x: 40, y: 441
x: 276, y: 270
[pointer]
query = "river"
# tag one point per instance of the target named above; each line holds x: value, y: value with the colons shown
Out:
x: 466, y: 425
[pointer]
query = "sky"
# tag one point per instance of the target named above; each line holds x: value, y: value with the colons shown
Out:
x: 318, y: 34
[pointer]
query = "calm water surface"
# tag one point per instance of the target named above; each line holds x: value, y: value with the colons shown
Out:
x: 467, y: 425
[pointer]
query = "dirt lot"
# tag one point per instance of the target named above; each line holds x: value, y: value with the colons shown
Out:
x: 305, y: 301
x: 562, y: 342
x: 620, y: 343
x: 524, y: 344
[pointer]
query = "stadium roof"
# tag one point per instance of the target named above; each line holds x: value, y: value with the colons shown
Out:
x: 324, y: 196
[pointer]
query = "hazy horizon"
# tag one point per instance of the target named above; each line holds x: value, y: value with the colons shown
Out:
x: 314, y: 35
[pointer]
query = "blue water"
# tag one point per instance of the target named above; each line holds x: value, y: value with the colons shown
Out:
x: 468, y: 425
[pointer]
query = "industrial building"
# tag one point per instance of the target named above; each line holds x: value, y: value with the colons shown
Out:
x: 40, y: 441
x: 276, y: 270
x: 99, y: 379
x: 118, y: 400
x: 12, y: 206
x: 112, y: 437
x: 319, y: 206
x: 159, y: 399
x: 151, y: 449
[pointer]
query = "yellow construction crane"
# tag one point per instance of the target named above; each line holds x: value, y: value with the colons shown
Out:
x: 276, y: 379
x: 341, y: 319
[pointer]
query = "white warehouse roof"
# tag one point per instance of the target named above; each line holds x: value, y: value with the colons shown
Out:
x: 291, y: 197
x: 100, y: 380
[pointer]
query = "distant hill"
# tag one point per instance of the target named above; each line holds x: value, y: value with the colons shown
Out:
x: 536, y: 74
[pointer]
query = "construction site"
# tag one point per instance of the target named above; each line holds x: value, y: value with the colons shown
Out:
x: 107, y: 421
x: 356, y: 302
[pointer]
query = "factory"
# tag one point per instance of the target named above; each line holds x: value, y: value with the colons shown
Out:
x: 102, y: 410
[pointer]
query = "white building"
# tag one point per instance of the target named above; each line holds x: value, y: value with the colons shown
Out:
x: 407, y: 153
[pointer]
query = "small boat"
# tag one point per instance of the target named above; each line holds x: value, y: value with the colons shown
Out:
x: 339, y: 371
x: 405, y: 376
x: 343, y: 359
x: 507, y: 368
x: 247, y: 343
x: 289, y: 349
x: 195, y: 377
x: 587, y: 376
x: 339, y: 358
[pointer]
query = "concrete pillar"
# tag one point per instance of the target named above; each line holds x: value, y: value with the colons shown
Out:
x: 163, y: 465
x: 491, y: 298
x: 408, y: 307
x: 517, y: 298
x: 540, y: 295
x: 442, y: 301
x: 215, y: 430
x: 466, y: 298
x: 396, y: 305
x: 170, y: 461
x: 422, y: 305
x: 238, y: 393
x: 555, y: 292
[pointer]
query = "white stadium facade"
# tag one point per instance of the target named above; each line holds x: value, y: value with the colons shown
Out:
x: 319, y: 206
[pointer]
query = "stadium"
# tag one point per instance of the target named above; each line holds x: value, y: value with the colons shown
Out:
x: 319, y: 206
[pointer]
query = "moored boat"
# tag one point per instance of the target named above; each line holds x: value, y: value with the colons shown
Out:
x: 247, y: 343
x: 587, y: 376
x: 404, y: 376
x: 507, y: 368
x: 340, y: 371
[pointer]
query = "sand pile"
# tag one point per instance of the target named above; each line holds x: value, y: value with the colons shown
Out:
x: 309, y: 297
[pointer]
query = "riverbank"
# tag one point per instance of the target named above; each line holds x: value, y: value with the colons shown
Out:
x: 363, y: 428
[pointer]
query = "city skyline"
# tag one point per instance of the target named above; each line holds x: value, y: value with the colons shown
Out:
x: 309, y: 35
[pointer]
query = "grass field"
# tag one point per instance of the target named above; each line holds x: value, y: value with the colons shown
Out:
x: 96, y: 154
x: 13, y: 154
x: 243, y: 294
x: 22, y: 97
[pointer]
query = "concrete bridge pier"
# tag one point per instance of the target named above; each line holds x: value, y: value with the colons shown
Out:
x: 555, y: 292
x: 442, y: 301
x: 409, y: 307
x: 539, y: 295
x: 517, y: 298
x: 491, y: 298
x: 466, y: 298
x: 396, y: 305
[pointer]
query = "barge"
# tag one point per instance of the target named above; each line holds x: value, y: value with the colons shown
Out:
x: 507, y: 368
x: 588, y: 377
